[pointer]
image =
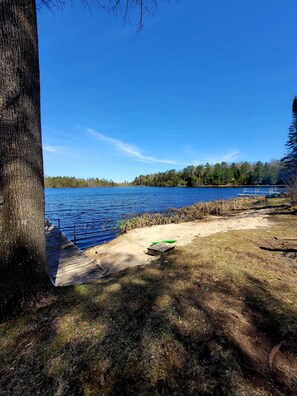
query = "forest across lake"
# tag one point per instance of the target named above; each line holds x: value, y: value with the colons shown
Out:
x: 220, y: 174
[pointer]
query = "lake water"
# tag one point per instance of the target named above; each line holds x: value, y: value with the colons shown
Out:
x: 97, y: 211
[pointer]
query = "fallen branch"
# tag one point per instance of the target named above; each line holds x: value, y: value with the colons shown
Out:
x: 285, y: 239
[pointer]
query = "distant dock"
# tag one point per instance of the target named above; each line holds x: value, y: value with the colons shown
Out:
x: 68, y: 265
x: 258, y: 191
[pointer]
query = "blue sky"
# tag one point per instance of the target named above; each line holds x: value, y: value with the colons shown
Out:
x: 205, y: 81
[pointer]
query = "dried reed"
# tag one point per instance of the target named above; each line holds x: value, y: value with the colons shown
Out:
x: 189, y: 213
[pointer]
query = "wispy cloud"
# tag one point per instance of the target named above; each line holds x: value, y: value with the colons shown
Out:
x: 213, y: 159
x: 228, y: 157
x: 51, y: 149
x: 129, y: 149
x: 196, y: 162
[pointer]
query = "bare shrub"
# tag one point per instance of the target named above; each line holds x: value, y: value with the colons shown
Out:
x: 291, y: 184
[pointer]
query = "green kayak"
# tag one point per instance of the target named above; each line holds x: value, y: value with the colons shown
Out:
x: 165, y: 241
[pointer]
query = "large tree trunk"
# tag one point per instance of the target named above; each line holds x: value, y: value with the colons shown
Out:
x: 22, y: 239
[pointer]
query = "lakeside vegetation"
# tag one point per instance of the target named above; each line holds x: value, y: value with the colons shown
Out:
x: 190, y: 213
x: 220, y: 174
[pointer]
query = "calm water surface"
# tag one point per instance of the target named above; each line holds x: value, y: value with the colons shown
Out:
x: 97, y: 211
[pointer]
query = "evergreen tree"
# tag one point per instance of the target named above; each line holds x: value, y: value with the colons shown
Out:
x: 217, y: 174
x: 290, y: 160
x: 259, y: 173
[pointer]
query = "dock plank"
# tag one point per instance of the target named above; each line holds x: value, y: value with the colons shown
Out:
x: 68, y: 265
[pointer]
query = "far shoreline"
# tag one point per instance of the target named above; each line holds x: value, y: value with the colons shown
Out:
x: 202, y: 186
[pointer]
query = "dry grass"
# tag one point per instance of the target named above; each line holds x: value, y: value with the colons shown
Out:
x: 201, y: 321
x: 189, y: 213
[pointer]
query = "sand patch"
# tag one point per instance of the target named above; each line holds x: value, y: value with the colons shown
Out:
x: 130, y: 249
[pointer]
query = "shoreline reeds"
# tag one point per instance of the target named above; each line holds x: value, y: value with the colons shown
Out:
x: 194, y: 212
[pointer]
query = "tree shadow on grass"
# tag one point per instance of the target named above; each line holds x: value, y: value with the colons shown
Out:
x: 153, y: 330
x: 276, y: 320
x: 288, y: 213
x: 252, y: 327
x: 281, y: 209
x: 279, y: 249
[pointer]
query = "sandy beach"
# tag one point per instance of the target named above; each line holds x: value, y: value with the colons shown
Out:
x: 130, y: 249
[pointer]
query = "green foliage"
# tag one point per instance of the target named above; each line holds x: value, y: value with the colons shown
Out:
x: 220, y: 174
x: 70, y: 181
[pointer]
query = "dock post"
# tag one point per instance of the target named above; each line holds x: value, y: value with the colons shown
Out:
x: 59, y: 225
x: 74, y: 234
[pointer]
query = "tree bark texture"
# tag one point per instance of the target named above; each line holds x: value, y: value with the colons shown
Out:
x: 22, y: 237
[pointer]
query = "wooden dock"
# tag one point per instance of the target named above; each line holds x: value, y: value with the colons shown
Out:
x: 257, y: 192
x: 68, y: 265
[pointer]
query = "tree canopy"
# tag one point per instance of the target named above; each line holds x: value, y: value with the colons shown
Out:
x: 71, y: 181
x: 244, y: 173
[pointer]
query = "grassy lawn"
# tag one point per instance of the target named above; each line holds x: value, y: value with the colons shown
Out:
x: 204, y: 320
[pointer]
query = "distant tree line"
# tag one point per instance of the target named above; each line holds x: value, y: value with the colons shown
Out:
x: 220, y: 174
x: 71, y: 181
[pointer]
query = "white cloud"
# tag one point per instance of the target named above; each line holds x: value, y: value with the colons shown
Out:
x: 129, y: 149
x: 213, y: 159
x: 228, y: 157
x: 51, y: 149
x: 196, y: 162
